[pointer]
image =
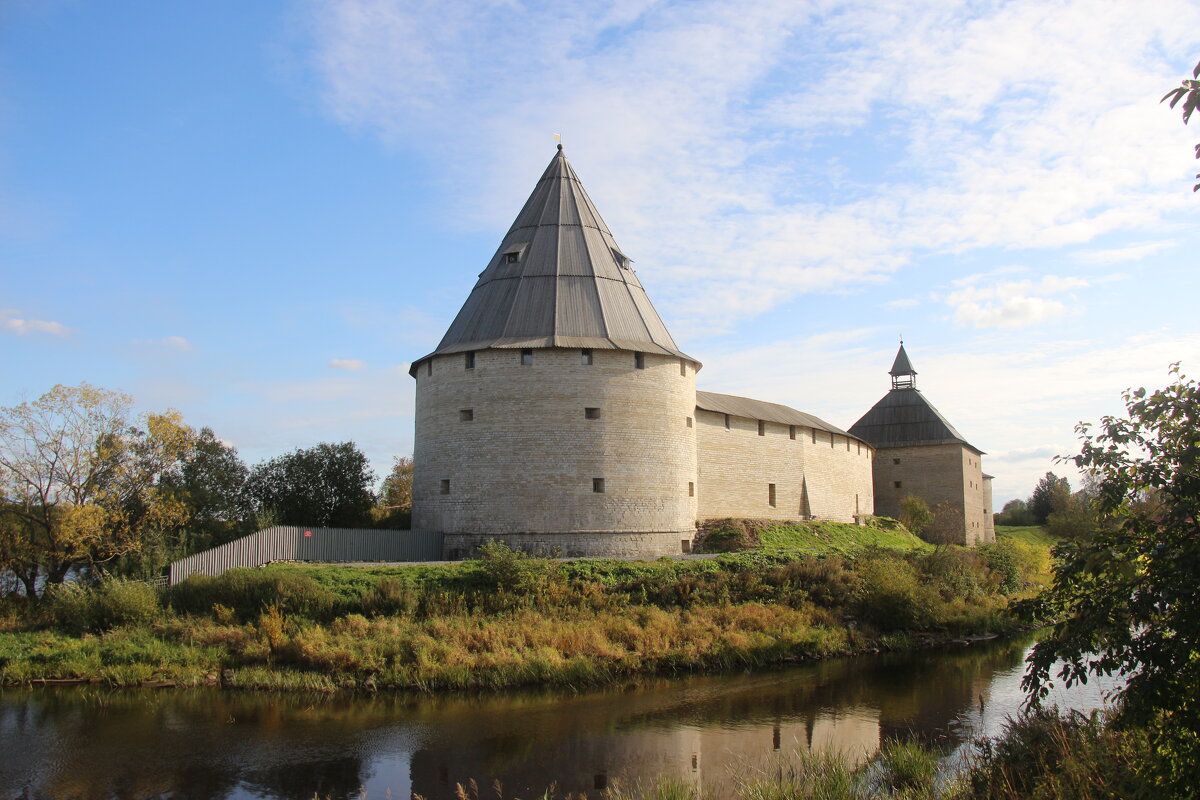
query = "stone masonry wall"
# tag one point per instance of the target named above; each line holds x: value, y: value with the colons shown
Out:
x: 838, y: 470
x: 737, y: 466
x: 507, y: 448
x: 945, y: 473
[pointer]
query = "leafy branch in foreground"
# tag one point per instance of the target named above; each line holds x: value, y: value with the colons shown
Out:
x: 1189, y: 93
x: 1127, y: 594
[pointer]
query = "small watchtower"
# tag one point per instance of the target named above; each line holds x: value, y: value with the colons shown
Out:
x: 902, y: 372
x: 918, y: 452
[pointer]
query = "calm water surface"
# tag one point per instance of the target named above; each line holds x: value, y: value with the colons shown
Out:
x: 89, y: 743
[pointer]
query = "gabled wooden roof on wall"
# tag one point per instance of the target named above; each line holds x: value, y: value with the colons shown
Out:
x: 750, y: 408
x: 558, y: 279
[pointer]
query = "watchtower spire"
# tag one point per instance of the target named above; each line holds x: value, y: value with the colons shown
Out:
x: 902, y: 372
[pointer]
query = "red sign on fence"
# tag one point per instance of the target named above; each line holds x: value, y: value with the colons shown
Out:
x: 308, y: 534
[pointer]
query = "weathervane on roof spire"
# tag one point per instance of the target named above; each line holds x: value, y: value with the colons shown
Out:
x: 558, y: 138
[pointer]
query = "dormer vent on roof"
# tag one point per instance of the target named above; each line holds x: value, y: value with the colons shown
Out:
x: 558, y: 279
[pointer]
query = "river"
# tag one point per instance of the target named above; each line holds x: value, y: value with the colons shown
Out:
x: 206, y: 744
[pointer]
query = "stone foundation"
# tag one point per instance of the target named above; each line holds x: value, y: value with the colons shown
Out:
x: 457, y: 546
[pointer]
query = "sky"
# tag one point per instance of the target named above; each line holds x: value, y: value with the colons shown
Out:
x: 260, y: 213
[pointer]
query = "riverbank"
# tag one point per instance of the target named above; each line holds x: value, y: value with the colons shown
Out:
x: 509, y: 620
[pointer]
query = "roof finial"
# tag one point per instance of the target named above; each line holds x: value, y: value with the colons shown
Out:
x: 560, y: 147
x: 558, y: 138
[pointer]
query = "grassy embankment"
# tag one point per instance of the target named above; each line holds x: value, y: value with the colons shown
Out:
x: 803, y: 591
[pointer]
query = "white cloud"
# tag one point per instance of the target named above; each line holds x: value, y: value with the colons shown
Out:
x: 23, y: 327
x: 979, y: 125
x: 1010, y: 304
x: 901, y: 304
x: 176, y: 344
x: 1133, y: 252
x: 348, y: 364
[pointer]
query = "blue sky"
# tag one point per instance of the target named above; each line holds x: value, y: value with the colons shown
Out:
x: 260, y: 213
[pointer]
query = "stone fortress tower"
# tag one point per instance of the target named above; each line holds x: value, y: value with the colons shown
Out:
x: 558, y: 414
x: 555, y: 414
x: 920, y: 453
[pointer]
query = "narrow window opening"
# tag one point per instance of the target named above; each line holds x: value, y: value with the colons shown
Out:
x: 585, y: 356
x: 896, y: 484
x: 859, y: 447
x: 831, y: 438
x: 691, y: 489
x: 466, y: 414
x: 598, y: 485
x: 591, y: 413
x: 527, y: 357
x: 771, y: 494
x: 469, y: 359
x: 762, y: 428
x: 512, y: 257
x: 726, y: 422
x: 445, y: 486
x: 639, y: 360
x: 895, y: 461
x: 429, y: 367
x: 791, y: 431
x: 682, y: 368
x: 689, y: 421
x: 814, y: 435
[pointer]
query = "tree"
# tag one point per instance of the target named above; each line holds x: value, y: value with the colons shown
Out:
x: 211, y: 480
x: 1126, y: 597
x: 1015, y: 512
x: 947, y: 526
x: 1074, y: 516
x: 1189, y: 93
x: 396, y: 489
x: 1049, y: 490
x: 328, y: 485
x: 209, y: 484
x: 914, y: 513
x: 78, y: 482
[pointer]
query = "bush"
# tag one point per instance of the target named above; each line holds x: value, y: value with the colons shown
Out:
x: 1045, y: 755
x: 890, y: 595
x: 250, y: 592
x: 514, y: 570
x: 113, y: 603
x: 956, y: 572
x: 1001, y: 559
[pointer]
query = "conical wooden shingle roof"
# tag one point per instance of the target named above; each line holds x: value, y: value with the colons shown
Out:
x: 904, y: 417
x: 558, y: 279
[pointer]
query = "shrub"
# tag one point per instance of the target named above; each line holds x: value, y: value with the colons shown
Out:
x: 955, y: 571
x: 828, y: 581
x: 516, y: 571
x: 1045, y: 755
x: 915, y: 514
x: 890, y: 596
x: 248, y: 592
x: 1001, y: 559
x: 110, y: 604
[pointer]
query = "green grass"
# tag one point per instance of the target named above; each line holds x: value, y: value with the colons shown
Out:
x: 837, y: 538
x: 1030, y: 534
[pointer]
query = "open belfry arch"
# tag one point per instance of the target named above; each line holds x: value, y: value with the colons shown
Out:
x: 557, y: 414
x: 919, y: 453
